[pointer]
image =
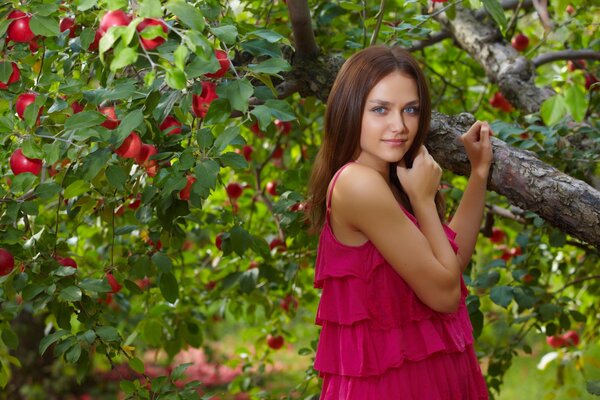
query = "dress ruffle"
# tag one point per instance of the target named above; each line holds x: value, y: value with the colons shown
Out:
x: 379, y: 340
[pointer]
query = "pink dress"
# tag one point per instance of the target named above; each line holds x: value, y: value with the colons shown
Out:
x: 378, y: 340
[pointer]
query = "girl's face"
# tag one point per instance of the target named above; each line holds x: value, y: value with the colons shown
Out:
x: 390, y: 121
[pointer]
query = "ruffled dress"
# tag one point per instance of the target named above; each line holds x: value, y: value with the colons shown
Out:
x: 378, y: 340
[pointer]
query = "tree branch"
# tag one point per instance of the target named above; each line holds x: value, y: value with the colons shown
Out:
x: 569, y: 204
x: 566, y: 55
x: 503, y: 65
x: 304, y: 37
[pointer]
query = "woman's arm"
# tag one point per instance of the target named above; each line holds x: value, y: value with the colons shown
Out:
x: 467, y: 219
x: 363, y: 201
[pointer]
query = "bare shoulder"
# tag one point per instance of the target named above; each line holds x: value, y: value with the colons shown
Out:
x: 360, y: 186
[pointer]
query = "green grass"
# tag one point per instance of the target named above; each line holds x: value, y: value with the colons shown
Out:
x: 525, y: 381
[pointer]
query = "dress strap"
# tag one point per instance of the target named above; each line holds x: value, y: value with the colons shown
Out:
x: 335, y: 177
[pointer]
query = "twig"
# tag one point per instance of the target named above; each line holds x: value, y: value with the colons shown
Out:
x: 378, y: 24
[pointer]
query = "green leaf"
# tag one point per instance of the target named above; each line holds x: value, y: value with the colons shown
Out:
x: 70, y: 293
x: 5, y: 71
x: 85, y: 5
x: 267, y: 34
x: 240, y: 240
x: 226, y: 33
x: 180, y: 56
x: 51, y: 152
x: 108, y: 333
x: 44, y: 26
x: 178, y: 371
x: 347, y: 5
x: 233, y: 160
x: 176, y: 79
x: 205, y: 138
x: 553, y: 109
x: 124, y: 56
x: 31, y: 149
x: 228, y: 136
x: 494, y: 8
x: 548, y: 311
x: 168, y: 286
x: 137, y: 365
x: 47, y: 341
x: 130, y: 123
x: 116, y: 176
x: 73, y: 354
x: 261, y: 47
x: 502, y: 295
x: 188, y: 14
x: 524, y: 298
x: 10, y: 338
x: 149, y: 9
x: 593, y: 387
x: 576, y: 102
x: 152, y: 332
x: 238, y: 93
x: 84, y: 119
x: 47, y: 190
x: 162, y: 262
x: 248, y: 280
x: 95, y: 285
x: 94, y: 162
x: 271, y: 66
x: 76, y: 188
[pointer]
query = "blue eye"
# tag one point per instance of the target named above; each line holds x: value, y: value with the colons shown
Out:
x: 411, y: 110
x: 378, y: 110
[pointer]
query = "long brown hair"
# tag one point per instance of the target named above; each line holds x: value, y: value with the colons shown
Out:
x: 343, y: 121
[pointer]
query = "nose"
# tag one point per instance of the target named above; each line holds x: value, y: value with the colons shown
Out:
x: 397, y: 123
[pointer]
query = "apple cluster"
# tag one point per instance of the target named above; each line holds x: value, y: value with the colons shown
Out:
x: 568, y: 339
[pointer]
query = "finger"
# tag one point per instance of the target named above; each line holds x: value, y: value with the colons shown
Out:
x: 485, y: 132
x: 472, y: 133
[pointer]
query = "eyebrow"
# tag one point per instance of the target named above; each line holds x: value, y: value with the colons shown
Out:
x: 387, y: 103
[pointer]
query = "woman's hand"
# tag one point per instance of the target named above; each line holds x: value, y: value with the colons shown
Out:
x: 422, y: 181
x: 479, y: 148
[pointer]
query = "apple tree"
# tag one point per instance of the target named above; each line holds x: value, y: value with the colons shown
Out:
x: 157, y: 155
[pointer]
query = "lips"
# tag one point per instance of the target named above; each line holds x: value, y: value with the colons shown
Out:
x: 395, y: 141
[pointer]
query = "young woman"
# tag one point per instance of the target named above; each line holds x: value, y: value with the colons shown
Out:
x: 392, y: 310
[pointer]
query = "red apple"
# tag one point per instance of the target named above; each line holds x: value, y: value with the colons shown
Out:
x: 528, y: 278
x: 171, y: 125
x: 143, y: 159
x: 131, y: 146
x: 111, y: 121
x: 7, y: 262
x: 68, y: 24
x: 135, y: 203
x: 23, y: 101
x: 256, y: 129
x: 520, y: 42
x: 219, y: 241
x: 94, y: 45
x: 288, y: 301
x: 201, y: 102
x: 277, y: 244
x: 184, y: 194
x: 223, y: 62
x: 498, y: 235
x: 77, y: 107
x: 143, y: 283
x: 590, y: 79
x: 500, y: 102
x: 571, y: 338
x: 66, y: 261
x: 113, y: 18
x: 570, y: 9
x: 14, y: 76
x: 19, y: 30
x: 234, y: 190
x: 272, y: 188
x: 283, y: 126
x: 247, y: 151
x: 556, y: 341
x: 151, y: 44
x: 19, y: 163
x: 114, y: 284
x: 275, y: 342
x: 573, y: 65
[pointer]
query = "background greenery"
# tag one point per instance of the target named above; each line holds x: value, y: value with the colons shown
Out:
x: 65, y: 334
